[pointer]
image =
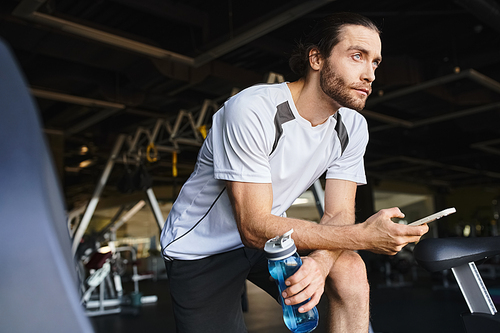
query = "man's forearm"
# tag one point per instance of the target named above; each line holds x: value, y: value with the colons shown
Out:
x: 377, y: 234
x: 308, y: 236
x: 327, y: 258
x: 252, y: 205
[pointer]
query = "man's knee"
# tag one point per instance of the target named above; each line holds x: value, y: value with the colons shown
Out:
x: 347, y: 279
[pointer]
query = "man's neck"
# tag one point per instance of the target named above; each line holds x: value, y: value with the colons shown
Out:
x: 310, y: 101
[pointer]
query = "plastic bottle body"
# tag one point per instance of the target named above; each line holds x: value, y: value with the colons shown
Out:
x: 295, y: 321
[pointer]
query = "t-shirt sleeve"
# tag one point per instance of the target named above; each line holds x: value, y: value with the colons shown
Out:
x: 242, y: 141
x: 350, y: 166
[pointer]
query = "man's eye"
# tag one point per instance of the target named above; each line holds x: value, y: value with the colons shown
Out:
x: 357, y: 56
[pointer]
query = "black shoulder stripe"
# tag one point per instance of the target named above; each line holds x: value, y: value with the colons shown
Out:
x: 283, y: 114
x: 341, y: 131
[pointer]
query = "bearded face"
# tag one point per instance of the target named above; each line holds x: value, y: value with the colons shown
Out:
x: 334, y: 86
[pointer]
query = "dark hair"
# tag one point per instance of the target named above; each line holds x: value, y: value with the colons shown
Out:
x: 324, y: 36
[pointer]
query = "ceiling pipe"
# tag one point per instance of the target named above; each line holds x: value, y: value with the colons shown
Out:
x: 487, y: 146
x: 90, y: 102
x: 110, y: 108
x: 449, y: 167
x: 466, y: 74
x: 457, y: 114
x: 418, y: 87
x: 90, y: 121
x: 393, y: 121
x: 27, y: 9
x: 430, y: 163
x: 484, y: 80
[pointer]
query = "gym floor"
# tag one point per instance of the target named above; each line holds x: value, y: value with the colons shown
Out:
x: 426, y: 305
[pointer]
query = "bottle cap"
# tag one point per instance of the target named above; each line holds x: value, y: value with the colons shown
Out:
x: 280, y: 247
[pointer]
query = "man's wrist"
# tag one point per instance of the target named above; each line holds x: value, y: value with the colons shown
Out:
x: 326, y: 259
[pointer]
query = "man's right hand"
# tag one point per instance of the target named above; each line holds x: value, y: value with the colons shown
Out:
x: 383, y: 236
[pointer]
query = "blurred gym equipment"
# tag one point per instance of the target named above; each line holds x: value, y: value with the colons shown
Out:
x: 38, y: 280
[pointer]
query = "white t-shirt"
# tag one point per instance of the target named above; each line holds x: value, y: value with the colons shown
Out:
x: 258, y: 136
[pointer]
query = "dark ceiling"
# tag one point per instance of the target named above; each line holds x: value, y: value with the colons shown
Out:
x: 107, y: 67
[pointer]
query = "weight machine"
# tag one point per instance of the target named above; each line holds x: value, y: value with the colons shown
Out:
x: 105, y: 267
x: 189, y: 128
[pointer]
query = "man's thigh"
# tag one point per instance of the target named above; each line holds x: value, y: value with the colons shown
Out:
x: 206, y: 293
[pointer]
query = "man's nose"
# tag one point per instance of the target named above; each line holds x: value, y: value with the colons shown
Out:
x: 369, y: 74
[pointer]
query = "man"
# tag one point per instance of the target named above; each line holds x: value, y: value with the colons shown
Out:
x: 267, y: 145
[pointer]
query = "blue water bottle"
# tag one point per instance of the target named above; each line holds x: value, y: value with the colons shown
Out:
x: 283, y: 262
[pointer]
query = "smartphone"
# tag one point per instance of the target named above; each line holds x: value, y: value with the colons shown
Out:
x: 435, y: 216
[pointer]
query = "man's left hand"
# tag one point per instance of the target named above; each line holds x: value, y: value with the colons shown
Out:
x: 307, y: 282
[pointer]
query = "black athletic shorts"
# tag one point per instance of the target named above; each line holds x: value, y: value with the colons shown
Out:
x: 207, y: 293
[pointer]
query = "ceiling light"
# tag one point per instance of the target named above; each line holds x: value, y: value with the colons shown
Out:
x: 86, y: 163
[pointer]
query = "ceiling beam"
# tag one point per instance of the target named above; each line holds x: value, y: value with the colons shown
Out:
x: 27, y: 9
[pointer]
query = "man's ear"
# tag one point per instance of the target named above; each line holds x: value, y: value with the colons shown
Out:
x: 315, y: 59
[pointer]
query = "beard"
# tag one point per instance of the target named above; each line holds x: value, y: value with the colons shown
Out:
x: 335, y: 87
